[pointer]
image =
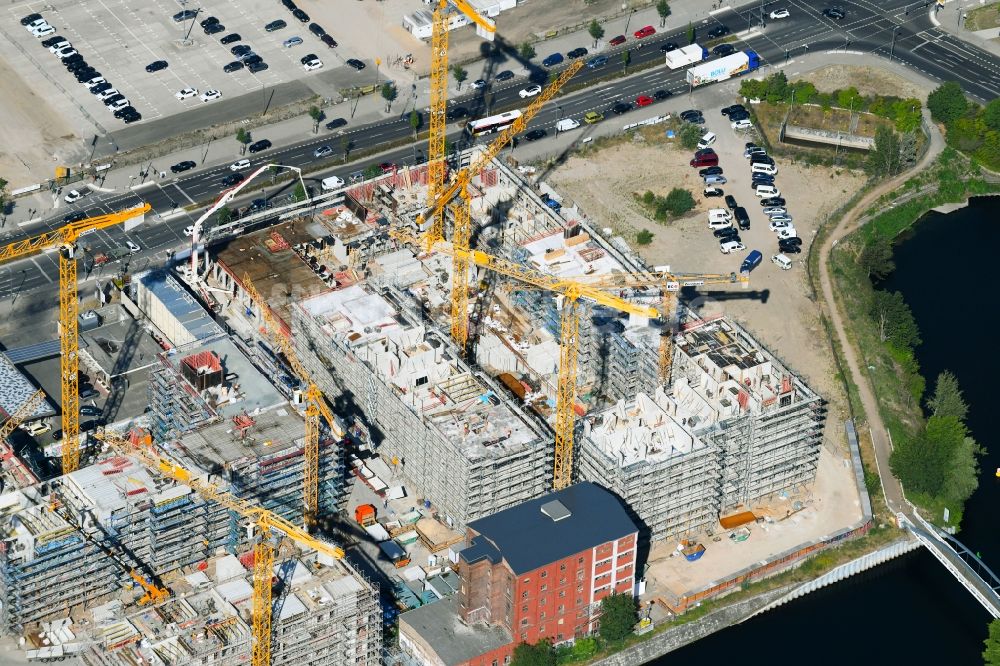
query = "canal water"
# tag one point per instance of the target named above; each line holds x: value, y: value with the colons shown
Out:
x: 910, y: 611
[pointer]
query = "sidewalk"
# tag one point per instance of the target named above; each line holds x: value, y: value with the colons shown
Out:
x: 950, y: 20
x: 370, y: 109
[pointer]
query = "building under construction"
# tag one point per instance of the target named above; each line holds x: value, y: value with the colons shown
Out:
x: 736, y: 426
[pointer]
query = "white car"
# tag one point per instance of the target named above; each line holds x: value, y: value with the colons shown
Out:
x: 781, y: 261
x: 93, y: 82
x: 719, y: 223
x: 239, y: 165
x: 312, y: 65
x: 776, y: 225
x: 132, y: 247
x: 185, y: 93
x: 120, y: 104
x: 110, y: 92
x: 530, y: 91
x: 35, y: 25
x: 781, y: 219
x: 780, y: 14
x: 189, y: 231
x: 73, y: 196
x: 210, y: 95
x: 742, y: 124
x: 727, y: 247
x: 59, y: 46
x: 331, y: 183
x: 43, y: 31
x: 787, y: 232
x: 66, y: 52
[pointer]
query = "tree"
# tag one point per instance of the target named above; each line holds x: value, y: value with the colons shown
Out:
x: 626, y: 59
x: 299, y: 193
x: 884, y: 157
x: 690, y: 135
x: 243, y: 137
x: 538, y: 654
x: 415, y: 122
x: 619, y: 614
x: 389, y: 94
x: 947, y: 102
x: 644, y: 237
x: 679, y: 201
x: 991, y: 655
x: 372, y: 171
x: 991, y: 116
x: 894, y: 320
x: 947, y: 399
x: 345, y: 146
x: 224, y: 215
x: 273, y: 170
x: 876, y: 258
x: 925, y: 461
x: 596, y: 31
x: 317, y: 115
x: 690, y: 33
x: 460, y: 74
x: 803, y: 91
x: 663, y: 9
x: 526, y: 51
x: 4, y: 199
x: 962, y: 476
x: 753, y: 88
x: 849, y: 98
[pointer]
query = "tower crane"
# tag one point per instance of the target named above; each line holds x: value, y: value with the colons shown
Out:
x: 669, y: 284
x: 315, y: 404
x: 436, y: 168
x: 65, y: 239
x: 268, y: 525
x: 571, y: 291
x: 22, y: 413
x: 462, y: 224
x: 224, y: 199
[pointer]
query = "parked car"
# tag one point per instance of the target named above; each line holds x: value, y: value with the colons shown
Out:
x: 712, y: 191
x: 617, y: 40
x: 727, y: 232
x: 751, y: 262
x: 184, y: 15
x: 330, y: 41
x: 774, y: 210
x: 258, y: 146
x: 275, y: 25
x: 156, y: 66
x: 742, y: 217
x: 644, y: 32
x: 335, y: 123
x: 180, y: 167
x: 715, y: 180
x: 723, y: 50
x: 214, y: 29
x: 210, y: 95
x: 505, y: 75
x: 578, y: 52
x: 186, y: 93
x: 317, y: 29
x: 291, y: 41
x: 726, y: 110
x: 731, y: 202
x: 789, y: 248
x: 621, y: 107
x: 90, y: 410
x: 535, y: 135
x: 552, y: 60
x: 355, y: 63
x: 234, y: 66
x: 710, y: 171
x: 730, y: 246
x: 643, y: 100
x: 300, y: 15
x: 230, y: 38
x: 773, y: 201
x: 592, y: 117
x: 742, y: 124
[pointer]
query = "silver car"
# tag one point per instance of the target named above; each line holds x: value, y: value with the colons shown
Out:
x: 774, y: 210
x: 715, y: 180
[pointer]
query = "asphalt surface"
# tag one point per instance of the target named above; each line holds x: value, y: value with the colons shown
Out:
x: 867, y: 29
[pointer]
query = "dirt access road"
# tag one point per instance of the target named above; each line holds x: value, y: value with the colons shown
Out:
x: 890, y: 484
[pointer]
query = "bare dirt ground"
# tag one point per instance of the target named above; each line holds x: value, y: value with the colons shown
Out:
x: 32, y: 134
x: 867, y: 80
x: 777, y: 308
x: 378, y: 28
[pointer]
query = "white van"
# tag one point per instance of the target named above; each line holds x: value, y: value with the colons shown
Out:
x: 759, y: 167
x: 331, y: 183
x: 782, y: 262
x: 718, y: 223
x: 719, y: 213
x: 706, y: 141
x: 37, y: 428
x: 567, y: 124
x: 767, y: 191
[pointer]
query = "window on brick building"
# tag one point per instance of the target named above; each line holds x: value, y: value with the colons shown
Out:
x: 543, y: 588
x: 524, y: 637
x: 496, y: 662
x: 562, y: 581
x: 562, y: 608
x: 562, y: 593
x: 524, y: 622
x: 506, y: 659
x: 541, y: 616
x: 579, y: 561
x: 559, y: 637
x: 541, y: 602
x: 562, y: 567
x: 524, y: 609
x: 545, y: 574
x: 524, y: 595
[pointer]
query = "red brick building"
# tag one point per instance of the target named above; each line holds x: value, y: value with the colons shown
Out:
x: 536, y: 571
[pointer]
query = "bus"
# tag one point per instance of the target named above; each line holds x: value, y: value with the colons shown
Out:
x: 492, y: 124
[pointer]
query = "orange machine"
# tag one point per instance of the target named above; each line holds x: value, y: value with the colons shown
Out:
x: 365, y: 515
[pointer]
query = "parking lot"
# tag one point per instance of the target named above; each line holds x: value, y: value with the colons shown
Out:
x: 120, y: 39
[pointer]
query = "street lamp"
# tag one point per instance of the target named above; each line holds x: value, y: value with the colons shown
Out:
x: 629, y: 20
x: 892, y: 45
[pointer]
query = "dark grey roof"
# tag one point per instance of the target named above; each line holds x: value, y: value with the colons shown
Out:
x: 453, y: 641
x: 538, y: 532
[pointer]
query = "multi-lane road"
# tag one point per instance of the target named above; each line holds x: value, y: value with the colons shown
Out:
x: 906, y: 32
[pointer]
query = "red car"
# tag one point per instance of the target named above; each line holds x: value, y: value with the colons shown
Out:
x: 387, y: 167
x: 617, y: 41
x: 645, y: 32
x: 643, y: 100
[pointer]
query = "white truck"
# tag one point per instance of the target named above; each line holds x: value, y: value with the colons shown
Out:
x: 737, y: 64
x: 686, y: 55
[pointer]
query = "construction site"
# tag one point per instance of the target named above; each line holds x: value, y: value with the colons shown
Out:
x: 336, y: 403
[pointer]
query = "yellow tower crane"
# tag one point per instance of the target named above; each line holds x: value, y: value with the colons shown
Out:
x: 436, y: 167
x: 269, y: 525
x: 669, y: 284
x: 462, y: 222
x: 65, y: 239
x: 572, y: 291
x: 315, y: 404
x: 22, y: 413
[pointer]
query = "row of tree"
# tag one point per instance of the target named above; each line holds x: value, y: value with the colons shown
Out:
x: 971, y: 128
